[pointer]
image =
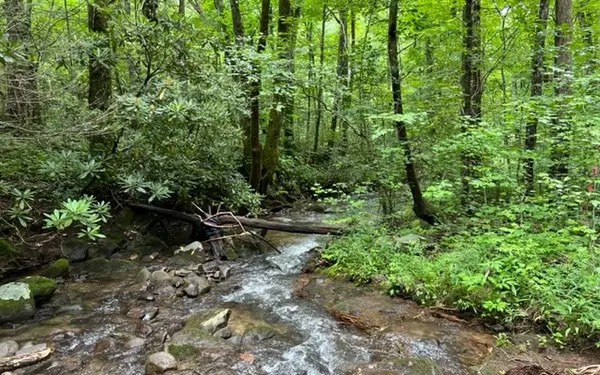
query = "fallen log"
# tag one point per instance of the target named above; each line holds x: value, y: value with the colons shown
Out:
x: 26, y: 359
x: 227, y: 219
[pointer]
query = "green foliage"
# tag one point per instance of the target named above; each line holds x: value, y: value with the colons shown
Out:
x: 85, y: 213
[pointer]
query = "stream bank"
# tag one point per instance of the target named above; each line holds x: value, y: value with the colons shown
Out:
x: 265, y: 318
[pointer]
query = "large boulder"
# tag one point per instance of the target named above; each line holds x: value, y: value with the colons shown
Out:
x: 16, y: 302
x: 8, y: 348
x: 159, y: 363
x: 217, y: 321
x: 59, y: 268
x: 41, y: 287
x: 198, y: 283
x: 76, y: 250
x: 147, y: 245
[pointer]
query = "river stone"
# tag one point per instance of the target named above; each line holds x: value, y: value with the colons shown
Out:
x: 210, y: 267
x: 191, y: 290
x: 259, y: 333
x: 159, y: 363
x: 217, y: 322
x: 159, y: 278
x: 8, y: 348
x: 223, y: 333
x: 31, y: 348
x: 135, y: 342
x: 60, y: 268
x: 41, y: 287
x: 16, y: 302
x: 201, y: 283
x: 147, y: 245
x: 150, y: 314
x: 143, y: 276
x: 76, y: 250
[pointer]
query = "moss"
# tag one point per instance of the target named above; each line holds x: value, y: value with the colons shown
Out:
x: 182, y: 351
x: 230, y: 253
x: 60, y: 268
x: 41, y: 287
x: 6, y: 248
x: 16, y: 303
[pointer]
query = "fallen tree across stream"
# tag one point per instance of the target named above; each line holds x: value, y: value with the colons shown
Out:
x: 227, y: 219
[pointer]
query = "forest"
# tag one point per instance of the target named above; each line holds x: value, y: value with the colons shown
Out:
x: 460, y: 137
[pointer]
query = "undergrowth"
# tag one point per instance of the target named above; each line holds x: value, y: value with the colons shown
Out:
x: 513, y: 273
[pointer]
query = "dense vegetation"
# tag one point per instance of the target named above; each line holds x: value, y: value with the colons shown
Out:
x: 481, y: 116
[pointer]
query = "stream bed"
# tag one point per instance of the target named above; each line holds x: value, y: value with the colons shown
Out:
x: 282, y: 322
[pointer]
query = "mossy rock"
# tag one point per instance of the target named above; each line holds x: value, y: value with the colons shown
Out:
x: 6, y: 248
x: 59, y: 268
x: 16, y: 303
x: 182, y: 351
x: 260, y: 332
x: 41, y: 287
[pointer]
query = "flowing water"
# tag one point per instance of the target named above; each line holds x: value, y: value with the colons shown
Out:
x: 89, y: 324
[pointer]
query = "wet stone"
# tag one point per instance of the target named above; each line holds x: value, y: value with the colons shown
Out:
x: 191, y: 290
x: 135, y: 342
x: 8, y: 348
x: 150, y: 314
x: 259, y: 333
x: 159, y: 363
x: 217, y: 322
x: 223, y: 333
x: 31, y: 348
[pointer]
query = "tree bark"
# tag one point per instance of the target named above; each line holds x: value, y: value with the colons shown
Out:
x: 311, y: 73
x: 100, y: 81
x: 472, y: 86
x: 342, y: 79
x: 276, y: 115
x: 22, y: 104
x: 562, y: 87
x: 288, y: 115
x: 421, y: 207
x: 537, y: 83
x: 320, y: 84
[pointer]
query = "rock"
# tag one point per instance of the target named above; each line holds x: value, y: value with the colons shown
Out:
x: 223, y: 333
x: 201, y: 283
x: 136, y: 313
x: 159, y: 278
x: 147, y: 245
x: 60, y: 268
x: 217, y: 322
x: 8, y: 348
x: 41, y: 287
x: 104, y: 346
x: 191, y: 290
x: 259, y: 333
x: 159, y: 363
x: 31, y: 348
x: 76, y: 250
x: 165, y: 291
x: 178, y: 281
x: 143, y: 276
x: 135, y: 342
x: 105, y: 247
x: 236, y: 340
x: 210, y: 267
x: 150, y: 314
x: 225, y: 272
x: 16, y: 302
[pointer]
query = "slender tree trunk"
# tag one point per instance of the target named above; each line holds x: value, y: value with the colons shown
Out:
x: 320, y: 89
x: 537, y: 82
x: 421, y: 208
x: 562, y: 87
x: 311, y: 74
x: 288, y: 116
x: 472, y: 86
x: 22, y: 104
x: 182, y: 7
x: 342, y: 79
x: 100, y: 81
x: 276, y: 115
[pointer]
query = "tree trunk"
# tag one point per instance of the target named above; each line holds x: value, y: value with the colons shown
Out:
x: 182, y: 7
x: 421, y: 208
x: 537, y: 82
x: 562, y: 87
x: 472, y: 86
x: 342, y: 79
x: 22, y: 104
x: 149, y: 9
x: 276, y: 115
x: 288, y: 116
x: 100, y: 82
x: 320, y: 84
x: 311, y: 73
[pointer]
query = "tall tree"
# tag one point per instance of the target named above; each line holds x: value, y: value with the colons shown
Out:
x: 100, y: 80
x: 22, y: 101
x: 421, y: 207
x: 319, y: 118
x: 472, y: 87
x: 562, y: 86
x: 343, y: 77
x: 537, y: 82
x: 276, y: 115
